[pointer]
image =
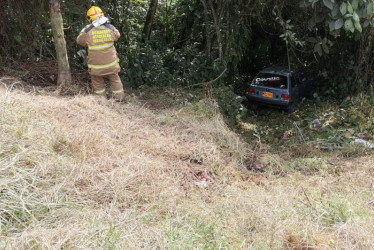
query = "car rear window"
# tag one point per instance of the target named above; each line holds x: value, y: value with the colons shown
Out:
x: 270, y: 80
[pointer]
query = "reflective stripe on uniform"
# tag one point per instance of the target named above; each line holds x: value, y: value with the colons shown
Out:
x: 100, y: 91
x: 118, y: 91
x: 101, y: 47
x: 105, y: 66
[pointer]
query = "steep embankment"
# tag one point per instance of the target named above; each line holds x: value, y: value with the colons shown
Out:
x: 87, y: 173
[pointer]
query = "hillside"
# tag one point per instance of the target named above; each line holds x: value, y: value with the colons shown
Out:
x: 82, y: 172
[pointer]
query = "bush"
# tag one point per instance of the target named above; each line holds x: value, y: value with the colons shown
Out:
x: 179, y: 67
x: 230, y: 103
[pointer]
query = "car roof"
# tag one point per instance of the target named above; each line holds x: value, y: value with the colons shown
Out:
x: 279, y: 70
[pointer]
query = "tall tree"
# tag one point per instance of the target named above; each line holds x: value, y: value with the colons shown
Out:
x: 149, y: 19
x: 64, y: 74
x: 218, y: 14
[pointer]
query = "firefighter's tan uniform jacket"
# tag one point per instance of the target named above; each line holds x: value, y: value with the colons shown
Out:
x: 102, y: 57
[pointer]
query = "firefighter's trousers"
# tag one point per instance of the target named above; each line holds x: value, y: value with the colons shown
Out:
x: 116, y: 86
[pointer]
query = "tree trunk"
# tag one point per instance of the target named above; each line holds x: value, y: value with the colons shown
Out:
x: 64, y: 74
x: 149, y: 19
x: 217, y: 16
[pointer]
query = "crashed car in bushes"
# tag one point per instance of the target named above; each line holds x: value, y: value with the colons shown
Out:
x: 280, y: 87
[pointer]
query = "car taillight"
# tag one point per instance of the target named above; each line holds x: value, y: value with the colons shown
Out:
x: 285, y: 97
x: 251, y: 91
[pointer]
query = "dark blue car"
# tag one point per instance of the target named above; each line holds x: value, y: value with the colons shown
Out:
x: 280, y: 87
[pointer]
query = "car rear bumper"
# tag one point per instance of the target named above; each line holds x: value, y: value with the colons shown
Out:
x: 266, y: 101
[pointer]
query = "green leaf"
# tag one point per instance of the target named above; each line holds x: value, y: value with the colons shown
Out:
x: 350, y: 8
x: 352, y: 29
x: 339, y: 23
x: 348, y: 24
x: 356, y: 17
x: 328, y: 4
x: 358, y: 26
x: 318, y: 49
x: 343, y: 8
x: 354, y: 4
x: 332, y: 25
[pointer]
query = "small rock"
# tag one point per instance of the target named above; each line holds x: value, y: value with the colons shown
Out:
x: 315, y: 123
x: 201, y: 184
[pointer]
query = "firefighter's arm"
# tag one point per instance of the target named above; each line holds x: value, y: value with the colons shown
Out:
x: 82, y: 38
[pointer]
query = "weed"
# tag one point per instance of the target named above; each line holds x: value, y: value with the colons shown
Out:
x: 204, y: 109
x: 334, y: 213
x: 191, y: 232
x: 111, y: 238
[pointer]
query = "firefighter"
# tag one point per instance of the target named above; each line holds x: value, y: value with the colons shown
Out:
x: 99, y: 36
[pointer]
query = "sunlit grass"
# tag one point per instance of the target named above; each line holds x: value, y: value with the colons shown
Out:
x: 88, y: 173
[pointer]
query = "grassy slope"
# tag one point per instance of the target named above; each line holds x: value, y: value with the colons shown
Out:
x: 88, y: 173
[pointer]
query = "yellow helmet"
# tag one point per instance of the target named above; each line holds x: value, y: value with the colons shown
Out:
x: 93, y: 13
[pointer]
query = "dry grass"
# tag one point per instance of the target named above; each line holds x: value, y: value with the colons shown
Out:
x: 88, y: 173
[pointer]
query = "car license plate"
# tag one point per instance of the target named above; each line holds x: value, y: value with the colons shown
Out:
x: 267, y: 94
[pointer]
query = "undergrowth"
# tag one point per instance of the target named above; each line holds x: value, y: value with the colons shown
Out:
x: 317, y: 127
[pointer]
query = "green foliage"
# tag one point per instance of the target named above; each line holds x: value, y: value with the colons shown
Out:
x: 186, y: 37
x: 22, y: 23
x: 146, y: 65
x: 335, y: 213
x: 230, y: 103
x: 354, y: 14
x: 203, y: 109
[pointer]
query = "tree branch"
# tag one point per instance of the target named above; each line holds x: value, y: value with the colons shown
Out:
x: 209, y: 82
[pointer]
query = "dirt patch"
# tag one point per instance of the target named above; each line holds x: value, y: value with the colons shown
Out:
x: 155, y: 105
